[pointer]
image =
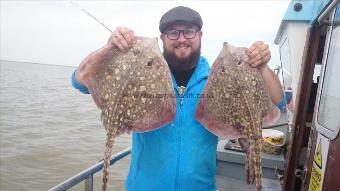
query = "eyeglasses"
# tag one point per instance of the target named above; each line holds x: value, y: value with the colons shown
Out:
x: 188, y: 33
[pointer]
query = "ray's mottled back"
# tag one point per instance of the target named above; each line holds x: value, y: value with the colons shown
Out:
x: 239, y: 102
x: 134, y: 91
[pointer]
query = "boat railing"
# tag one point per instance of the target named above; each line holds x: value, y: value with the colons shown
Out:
x: 87, y: 174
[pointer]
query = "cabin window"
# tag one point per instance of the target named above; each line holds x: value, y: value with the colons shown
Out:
x: 285, y: 56
x: 329, y: 105
x: 285, y: 64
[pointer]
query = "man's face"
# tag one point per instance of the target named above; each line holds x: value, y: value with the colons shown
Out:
x: 182, y: 53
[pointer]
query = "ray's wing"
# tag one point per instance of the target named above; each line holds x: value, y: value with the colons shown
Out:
x: 102, y: 73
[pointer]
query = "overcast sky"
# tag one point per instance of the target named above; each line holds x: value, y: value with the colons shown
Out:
x: 57, y: 32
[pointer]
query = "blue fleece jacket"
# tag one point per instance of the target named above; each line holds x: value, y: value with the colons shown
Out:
x: 180, y: 155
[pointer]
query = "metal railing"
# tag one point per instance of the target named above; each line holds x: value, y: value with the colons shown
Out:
x: 88, y: 173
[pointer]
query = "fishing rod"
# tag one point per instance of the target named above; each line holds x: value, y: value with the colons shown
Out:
x: 89, y: 14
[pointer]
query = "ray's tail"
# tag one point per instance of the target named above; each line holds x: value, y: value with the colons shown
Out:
x: 253, y: 169
x: 257, y: 163
x: 107, y: 156
x: 248, y: 162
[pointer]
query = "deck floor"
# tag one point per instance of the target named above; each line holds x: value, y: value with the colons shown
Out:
x: 231, y: 184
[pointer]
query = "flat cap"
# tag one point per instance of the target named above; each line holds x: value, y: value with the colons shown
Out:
x: 180, y: 15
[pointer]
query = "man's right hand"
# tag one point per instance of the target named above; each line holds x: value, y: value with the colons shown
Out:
x: 122, y: 38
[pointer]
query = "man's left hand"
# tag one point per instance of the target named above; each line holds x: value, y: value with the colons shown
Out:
x: 259, y: 54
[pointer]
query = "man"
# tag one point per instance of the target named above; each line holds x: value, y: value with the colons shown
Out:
x: 181, y: 155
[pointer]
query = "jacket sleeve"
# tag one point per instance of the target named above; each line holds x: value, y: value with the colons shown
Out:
x: 283, y: 102
x: 77, y: 85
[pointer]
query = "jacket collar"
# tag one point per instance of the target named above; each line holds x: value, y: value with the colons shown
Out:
x: 201, y: 72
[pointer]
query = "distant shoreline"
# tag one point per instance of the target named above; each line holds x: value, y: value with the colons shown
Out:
x: 18, y: 61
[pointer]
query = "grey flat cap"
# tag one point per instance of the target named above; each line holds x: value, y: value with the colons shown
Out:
x: 180, y: 14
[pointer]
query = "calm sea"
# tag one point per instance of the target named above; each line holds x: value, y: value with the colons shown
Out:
x: 48, y: 130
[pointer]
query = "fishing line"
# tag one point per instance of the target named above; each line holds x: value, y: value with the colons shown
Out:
x: 89, y: 14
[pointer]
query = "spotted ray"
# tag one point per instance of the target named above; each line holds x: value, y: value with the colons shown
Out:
x: 237, y: 102
x: 134, y: 91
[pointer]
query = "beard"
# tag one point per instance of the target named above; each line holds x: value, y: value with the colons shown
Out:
x: 182, y: 64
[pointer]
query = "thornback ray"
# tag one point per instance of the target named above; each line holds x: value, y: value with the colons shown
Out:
x: 237, y: 102
x: 134, y: 91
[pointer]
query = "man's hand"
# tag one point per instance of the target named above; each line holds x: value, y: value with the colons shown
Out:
x: 259, y: 55
x: 121, y: 38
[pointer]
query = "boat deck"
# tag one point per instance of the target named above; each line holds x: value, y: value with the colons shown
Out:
x: 231, y: 184
x: 231, y: 174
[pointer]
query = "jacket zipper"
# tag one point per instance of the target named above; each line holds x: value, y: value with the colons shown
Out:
x: 181, y: 91
x: 181, y: 97
x: 181, y: 94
